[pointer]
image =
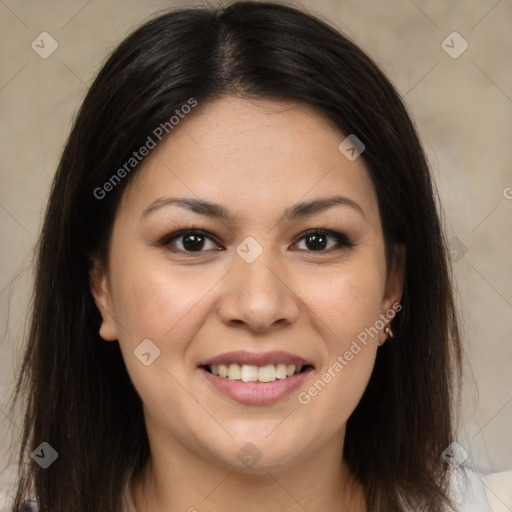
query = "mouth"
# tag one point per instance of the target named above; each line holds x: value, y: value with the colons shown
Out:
x: 255, y: 378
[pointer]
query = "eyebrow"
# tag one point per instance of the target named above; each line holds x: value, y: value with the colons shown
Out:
x: 217, y: 211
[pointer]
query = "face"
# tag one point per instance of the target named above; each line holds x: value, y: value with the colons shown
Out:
x: 248, y: 244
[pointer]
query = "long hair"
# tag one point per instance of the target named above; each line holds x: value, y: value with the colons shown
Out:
x: 77, y: 394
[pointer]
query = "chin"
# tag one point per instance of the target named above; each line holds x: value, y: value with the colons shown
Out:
x: 259, y: 455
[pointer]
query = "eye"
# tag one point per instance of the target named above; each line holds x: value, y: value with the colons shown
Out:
x: 197, y: 241
x: 323, y: 240
x: 190, y: 240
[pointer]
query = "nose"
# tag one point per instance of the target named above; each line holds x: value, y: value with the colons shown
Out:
x: 256, y: 296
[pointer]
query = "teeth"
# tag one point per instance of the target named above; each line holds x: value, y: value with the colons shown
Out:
x: 267, y: 373
x: 249, y: 373
x: 281, y: 371
x: 234, y: 372
x: 290, y: 369
x: 252, y: 373
x: 223, y: 370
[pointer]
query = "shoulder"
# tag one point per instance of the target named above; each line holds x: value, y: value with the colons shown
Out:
x: 468, y: 491
x: 7, y: 501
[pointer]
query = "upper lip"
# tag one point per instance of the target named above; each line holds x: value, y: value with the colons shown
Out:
x: 256, y: 359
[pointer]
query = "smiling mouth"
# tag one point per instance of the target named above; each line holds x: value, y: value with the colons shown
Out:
x: 252, y: 373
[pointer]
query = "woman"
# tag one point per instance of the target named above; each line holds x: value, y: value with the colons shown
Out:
x: 242, y: 292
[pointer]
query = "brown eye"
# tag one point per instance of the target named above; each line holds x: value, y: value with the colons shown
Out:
x: 320, y: 240
x: 190, y: 241
x: 193, y: 242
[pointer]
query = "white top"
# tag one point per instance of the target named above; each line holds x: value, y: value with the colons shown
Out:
x: 468, y: 494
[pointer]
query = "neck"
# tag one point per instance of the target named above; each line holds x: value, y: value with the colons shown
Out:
x: 186, y: 481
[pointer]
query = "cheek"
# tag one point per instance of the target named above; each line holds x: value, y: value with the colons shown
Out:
x: 151, y: 300
x: 347, y: 305
x: 347, y: 300
x: 154, y: 301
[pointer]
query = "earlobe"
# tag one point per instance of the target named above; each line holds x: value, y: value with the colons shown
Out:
x: 100, y: 290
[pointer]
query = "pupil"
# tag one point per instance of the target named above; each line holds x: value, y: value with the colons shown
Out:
x: 316, y: 242
x: 193, y: 242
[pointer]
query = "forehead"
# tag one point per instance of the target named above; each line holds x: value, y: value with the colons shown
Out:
x: 248, y: 153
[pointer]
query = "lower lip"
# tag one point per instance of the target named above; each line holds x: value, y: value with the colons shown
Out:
x: 257, y: 393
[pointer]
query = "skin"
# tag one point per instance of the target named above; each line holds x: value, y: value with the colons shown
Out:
x: 256, y: 158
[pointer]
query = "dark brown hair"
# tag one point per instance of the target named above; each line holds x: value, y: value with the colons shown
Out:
x: 79, y: 396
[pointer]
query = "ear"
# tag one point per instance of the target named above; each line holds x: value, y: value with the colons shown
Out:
x: 394, y: 288
x: 98, y: 280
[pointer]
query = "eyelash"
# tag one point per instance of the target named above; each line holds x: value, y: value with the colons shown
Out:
x: 340, y: 238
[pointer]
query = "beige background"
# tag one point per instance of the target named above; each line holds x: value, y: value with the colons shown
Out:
x: 462, y: 107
